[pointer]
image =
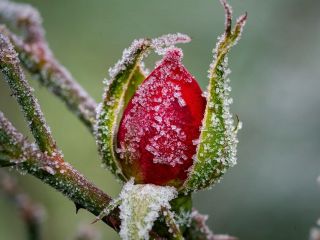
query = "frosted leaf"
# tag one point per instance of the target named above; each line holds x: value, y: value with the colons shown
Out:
x: 217, y: 146
x: 116, y: 95
x: 129, y: 56
x: 140, y: 207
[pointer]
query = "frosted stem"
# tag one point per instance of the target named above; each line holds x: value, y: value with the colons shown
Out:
x: 172, y: 225
x: 14, y: 75
x: 23, y: 18
x: 38, y: 59
x: 11, y: 143
x: 60, y: 175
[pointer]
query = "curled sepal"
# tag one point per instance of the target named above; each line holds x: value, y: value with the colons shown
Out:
x: 216, y: 149
x: 125, y: 72
x: 140, y: 207
x: 125, y: 78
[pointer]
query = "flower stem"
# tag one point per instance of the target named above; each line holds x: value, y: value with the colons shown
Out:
x: 38, y: 59
x: 10, y: 67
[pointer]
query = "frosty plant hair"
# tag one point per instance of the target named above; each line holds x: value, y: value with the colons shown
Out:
x: 158, y: 133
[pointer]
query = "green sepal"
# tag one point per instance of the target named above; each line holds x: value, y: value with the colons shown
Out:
x: 116, y: 95
x: 216, y: 149
x: 136, y: 80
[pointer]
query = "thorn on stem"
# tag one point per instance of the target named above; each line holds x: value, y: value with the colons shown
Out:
x: 95, y: 220
x: 78, y: 207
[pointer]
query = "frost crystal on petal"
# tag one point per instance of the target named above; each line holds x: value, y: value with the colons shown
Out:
x: 125, y: 78
x: 160, y: 122
x: 140, y: 207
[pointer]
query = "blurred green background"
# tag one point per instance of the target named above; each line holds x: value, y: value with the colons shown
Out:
x: 272, y: 193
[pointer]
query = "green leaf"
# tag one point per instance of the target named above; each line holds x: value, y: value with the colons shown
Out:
x: 216, y: 150
x: 141, y: 206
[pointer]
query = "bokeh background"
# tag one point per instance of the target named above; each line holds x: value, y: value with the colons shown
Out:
x: 272, y: 193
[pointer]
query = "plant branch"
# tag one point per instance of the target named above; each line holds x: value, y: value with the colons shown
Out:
x: 11, y: 144
x: 38, y: 59
x: 61, y: 176
x: 55, y: 172
x: 31, y: 213
x: 22, y: 18
x: 43, y: 161
x: 10, y: 67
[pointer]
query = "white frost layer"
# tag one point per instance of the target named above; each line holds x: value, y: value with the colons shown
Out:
x: 161, y: 44
x: 140, y: 207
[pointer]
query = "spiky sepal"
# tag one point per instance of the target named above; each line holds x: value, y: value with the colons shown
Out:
x: 216, y: 150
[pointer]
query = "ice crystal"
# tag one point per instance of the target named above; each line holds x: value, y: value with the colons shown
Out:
x: 140, y: 207
x: 183, y: 218
x: 128, y: 57
x: 161, y: 44
x: 168, y: 144
x: 202, y: 227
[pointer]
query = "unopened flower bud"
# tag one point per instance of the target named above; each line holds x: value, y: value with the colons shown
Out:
x: 160, y: 125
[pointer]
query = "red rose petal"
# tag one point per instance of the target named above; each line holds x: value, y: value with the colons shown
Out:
x: 156, y: 132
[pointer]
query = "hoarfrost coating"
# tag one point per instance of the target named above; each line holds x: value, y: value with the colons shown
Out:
x: 140, y: 207
x: 159, y: 124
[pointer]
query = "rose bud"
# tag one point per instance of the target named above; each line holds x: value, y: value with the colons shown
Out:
x: 160, y: 124
x: 159, y: 129
x: 161, y: 136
